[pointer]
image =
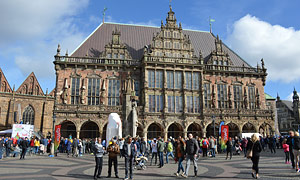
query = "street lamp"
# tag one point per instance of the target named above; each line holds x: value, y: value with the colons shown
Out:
x: 213, y: 117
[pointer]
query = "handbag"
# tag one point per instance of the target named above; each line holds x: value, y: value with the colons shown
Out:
x: 250, y: 152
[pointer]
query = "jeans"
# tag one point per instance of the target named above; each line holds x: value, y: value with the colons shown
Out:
x: 36, y: 149
x: 204, y: 152
x: 154, y: 154
x: 213, y: 152
x: 180, y: 166
x: 24, y: 150
x: 190, y: 158
x: 292, y: 157
x: 245, y: 151
x: 1, y: 152
x: 161, y: 158
x: 167, y: 156
x: 98, y: 167
x: 128, y: 164
x: 7, y: 152
x: 110, y: 162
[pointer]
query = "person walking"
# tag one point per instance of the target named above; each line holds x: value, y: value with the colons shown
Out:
x: 272, y: 144
x: 98, y: 152
x: 169, y: 151
x: 2, y: 144
x: 154, y: 151
x: 113, y: 151
x: 130, y: 151
x: 68, y: 147
x: 229, y: 145
x: 160, y: 149
x: 205, y: 145
x: 286, y: 149
x: 8, y: 146
x: 296, y: 150
x: 179, y: 155
x: 24, y: 145
x: 143, y: 147
x: 75, y: 147
x: 121, y: 145
x: 212, y: 146
x: 255, y: 146
x: 190, y: 155
x: 290, y: 143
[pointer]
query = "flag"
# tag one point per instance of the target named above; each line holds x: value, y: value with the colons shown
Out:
x: 224, y: 136
x: 212, y: 20
x: 57, y: 137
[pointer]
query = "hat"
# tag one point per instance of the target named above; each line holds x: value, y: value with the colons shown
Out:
x: 154, y: 139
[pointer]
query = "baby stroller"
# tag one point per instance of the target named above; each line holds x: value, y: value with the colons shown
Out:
x: 140, y: 162
x: 238, y: 149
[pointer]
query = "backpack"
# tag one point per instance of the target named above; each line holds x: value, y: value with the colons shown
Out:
x: 205, y: 143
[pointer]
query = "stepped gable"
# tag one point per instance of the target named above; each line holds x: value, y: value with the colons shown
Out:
x: 31, y: 86
x: 4, y: 85
x: 136, y: 37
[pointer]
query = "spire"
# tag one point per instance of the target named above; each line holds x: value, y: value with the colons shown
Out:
x: 295, y: 95
x: 171, y: 19
x: 103, y: 14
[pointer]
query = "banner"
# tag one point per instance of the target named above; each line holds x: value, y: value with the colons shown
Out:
x: 57, y: 137
x: 22, y: 131
x: 224, y: 136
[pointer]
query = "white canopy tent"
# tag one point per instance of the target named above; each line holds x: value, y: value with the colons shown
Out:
x: 7, y: 131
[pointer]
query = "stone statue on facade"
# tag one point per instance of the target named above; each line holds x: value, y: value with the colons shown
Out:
x: 64, y: 95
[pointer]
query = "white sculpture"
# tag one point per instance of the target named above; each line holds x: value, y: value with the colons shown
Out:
x: 114, y: 127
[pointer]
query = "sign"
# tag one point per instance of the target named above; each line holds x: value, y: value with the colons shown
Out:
x: 22, y: 131
x: 57, y: 137
x: 224, y: 136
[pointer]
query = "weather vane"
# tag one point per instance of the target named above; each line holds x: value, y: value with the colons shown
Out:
x: 170, y: 3
x: 103, y: 13
x: 210, y: 21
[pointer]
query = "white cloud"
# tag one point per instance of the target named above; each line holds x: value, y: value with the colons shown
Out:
x: 254, y: 39
x: 290, y: 96
x: 30, y: 32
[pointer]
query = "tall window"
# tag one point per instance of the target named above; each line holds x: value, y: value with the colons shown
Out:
x: 171, y: 104
x: 114, y: 92
x: 188, y: 80
x: 137, y: 88
x: 192, y: 80
x: 196, y: 81
x: 155, y: 103
x: 28, y: 115
x: 175, y: 104
x: 75, y: 90
x: 237, y: 92
x: 193, y: 104
x: 170, y: 79
x: 207, y: 95
x: 93, y: 91
x: 178, y: 80
x: 251, y: 95
x: 222, y: 95
x: 155, y: 79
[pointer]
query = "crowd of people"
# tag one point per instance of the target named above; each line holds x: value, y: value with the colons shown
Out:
x: 156, y: 150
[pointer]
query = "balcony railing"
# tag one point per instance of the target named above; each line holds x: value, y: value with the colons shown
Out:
x: 242, y: 112
x: 92, y: 60
x: 171, y: 60
x: 233, y: 68
x: 87, y: 108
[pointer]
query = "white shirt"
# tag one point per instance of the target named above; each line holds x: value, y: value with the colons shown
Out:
x: 154, y: 147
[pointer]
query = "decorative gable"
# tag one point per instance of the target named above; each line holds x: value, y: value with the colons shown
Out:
x: 116, y: 49
x: 31, y: 86
x: 4, y: 85
x: 219, y: 57
x: 170, y: 42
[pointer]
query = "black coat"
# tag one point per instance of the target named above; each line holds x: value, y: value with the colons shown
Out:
x: 191, y: 147
x: 24, y: 144
x: 132, y: 150
x: 290, y: 143
x: 256, y: 148
x: 296, y: 144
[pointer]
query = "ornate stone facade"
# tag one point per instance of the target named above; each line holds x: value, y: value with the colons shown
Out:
x: 182, y: 81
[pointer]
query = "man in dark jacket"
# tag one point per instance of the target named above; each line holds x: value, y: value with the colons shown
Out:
x: 113, y: 151
x: 24, y: 145
x: 1, y: 147
x: 130, y: 151
x: 8, y: 144
x: 290, y: 143
x: 143, y: 147
x: 191, y: 154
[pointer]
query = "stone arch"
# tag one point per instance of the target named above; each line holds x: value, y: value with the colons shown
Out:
x: 248, y: 128
x: 195, y: 129
x: 154, y: 130
x: 89, y: 129
x: 233, y: 129
x: 266, y: 129
x: 210, y: 130
x: 175, y: 130
x: 68, y: 128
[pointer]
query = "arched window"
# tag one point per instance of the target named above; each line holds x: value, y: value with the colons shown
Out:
x: 28, y: 115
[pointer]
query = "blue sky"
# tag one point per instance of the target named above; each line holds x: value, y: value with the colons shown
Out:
x: 255, y: 29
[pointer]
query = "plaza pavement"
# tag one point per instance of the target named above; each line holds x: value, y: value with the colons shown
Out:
x: 41, y: 167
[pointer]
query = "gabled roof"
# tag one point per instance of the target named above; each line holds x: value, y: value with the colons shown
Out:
x: 136, y: 37
x: 3, y: 81
x: 30, y: 85
x: 289, y: 104
x: 52, y: 93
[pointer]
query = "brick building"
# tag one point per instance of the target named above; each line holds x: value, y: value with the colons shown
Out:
x: 28, y: 104
x: 177, y: 81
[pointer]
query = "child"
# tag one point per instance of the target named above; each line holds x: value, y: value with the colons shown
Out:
x: 285, y: 147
